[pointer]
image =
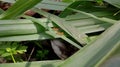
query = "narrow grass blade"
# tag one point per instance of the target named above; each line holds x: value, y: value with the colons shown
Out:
x: 95, y: 17
x: 18, y: 8
x: 67, y: 12
x: 79, y: 16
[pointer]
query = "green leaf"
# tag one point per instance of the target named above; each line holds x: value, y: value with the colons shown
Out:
x: 18, y: 31
x: 91, y: 54
x: 48, y: 4
x: 67, y: 12
x: 71, y: 31
x: 68, y: 0
x: 18, y: 8
x: 39, y: 36
x: 32, y: 64
x: 21, y: 49
x: 8, y: 47
x: 104, y: 19
x: 115, y: 3
x: 1, y: 11
x: 5, y: 54
x: 112, y: 58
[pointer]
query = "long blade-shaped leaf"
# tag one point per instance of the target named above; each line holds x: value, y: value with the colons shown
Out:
x: 112, y: 59
x: 38, y: 36
x: 47, y: 4
x: 32, y: 64
x: 115, y: 3
x: 91, y: 54
x: 95, y: 17
x: 18, y: 8
x: 66, y: 27
x: 67, y: 12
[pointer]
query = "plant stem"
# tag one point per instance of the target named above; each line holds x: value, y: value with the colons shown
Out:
x: 12, y: 57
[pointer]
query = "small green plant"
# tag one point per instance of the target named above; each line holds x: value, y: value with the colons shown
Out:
x: 100, y: 2
x: 41, y: 54
x: 10, y: 49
